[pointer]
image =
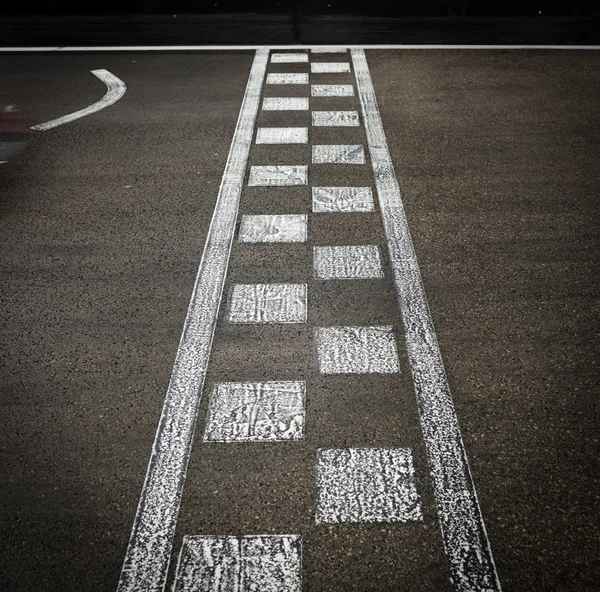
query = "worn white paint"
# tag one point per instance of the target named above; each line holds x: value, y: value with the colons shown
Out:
x: 285, y: 104
x: 357, y: 262
x: 332, y: 90
x: 146, y: 561
x: 338, y: 154
x: 115, y: 90
x: 287, y: 78
x: 256, y: 412
x: 200, y: 48
x: 267, y: 303
x: 264, y: 563
x: 465, y: 538
x: 329, y: 67
x: 278, y: 175
x: 358, y: 485
x: 289, y: 58
x: 328, y: 49
x: 342, y: 199
x: 282, y: 135
x: 357, y: 350
x: 283, y: 228
x: 335, y: 118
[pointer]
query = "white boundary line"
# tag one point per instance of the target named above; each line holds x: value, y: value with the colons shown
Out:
x: 115, y: 90
x: 125, y: 48
x: 147, y: 558
x: 465, y: 539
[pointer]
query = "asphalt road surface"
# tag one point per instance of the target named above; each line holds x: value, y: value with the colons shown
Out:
x: 326, y: 453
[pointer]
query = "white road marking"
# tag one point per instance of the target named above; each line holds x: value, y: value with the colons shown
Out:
x: 115, y: 90
x: 342, y: 199
x: 338, y: 154
x: 289, y: 58
x: 197, y: 48
x: 329, y: 67
x: 256, y: 412
x: 465, y: 538
x: 332, y: 90
x: 357, y: 350
x: 358, y: 485
x: 146, y: 561
x: 267, y: 303
x: 335, y: 118
x: 287, y: 78
x: 357, y: 262
x: 262, y: 176
x: 282, y: 135
x: 240, y: 564
x: 284, y: 228
x: 285, y: 104
x: 328, y: 49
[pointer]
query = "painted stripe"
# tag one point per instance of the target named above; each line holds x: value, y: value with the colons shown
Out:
x: 342, y: 199
x: 285, y: 104
x: 463, y: 530
x: 328, y: 49
x: 115, y: 90
x: 267, y: 303
x: 289, y: 58
x: 335, y: 119
x: 287, y: 78
x: 329, y: 67
x: 278, y: 175
x: 332, y: 90
x: 352, y: 262
x: 282, y: 135
x: 264, y: 228
x: 338, y: 154
x: 195, y: 48
x: 147, y: 558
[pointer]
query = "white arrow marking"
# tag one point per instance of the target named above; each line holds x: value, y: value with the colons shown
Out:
x: 116, y: 89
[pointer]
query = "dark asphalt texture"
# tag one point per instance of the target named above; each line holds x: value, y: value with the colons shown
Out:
x: 102, y: 227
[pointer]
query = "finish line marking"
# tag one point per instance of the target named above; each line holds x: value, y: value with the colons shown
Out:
x: 147, y: 558
x: 467, y: 546
x: 116, y: 89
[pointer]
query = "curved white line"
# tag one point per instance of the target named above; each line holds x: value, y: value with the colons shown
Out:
x: 116, y: 89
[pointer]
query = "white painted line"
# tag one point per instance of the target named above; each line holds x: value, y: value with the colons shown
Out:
x: 285, y: 228
x: 362, y: 485
x: 287, y: 78
x: 115, y: 90
x: 338, y: 154
x: 356, y: 262
x: 332, y: 90
x: 256, y: 412
x: 197, y: 48
x: 357, y: 350
x: 146, y: 561
x: 267, y: 303
x: 289, y: 58
x: 335, y: 118
x: 282, y: 135
x: 240, y: 564
x: 328, y: 49
x: 285, y: 104
x: 465, y: 538
x: 342, y: 199
x: 263, y: 176
x: 329, y: 67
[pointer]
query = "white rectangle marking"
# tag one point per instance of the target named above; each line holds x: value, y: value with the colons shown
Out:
x: 465, y: 538
x: 366, y: 485
x: 282, y: 135
x: 146, y: 563
x: 338, y: 154
x: 342, y: 199
x: 335, y: 118
x: 357, y: 262
x: 287, y: 78
x: 256, y: 412
x: 268, y: 303
x: 329, y: 67
x: 332, y: 90
x: 285, y: 104
x: 264, y: 563
x: 357, y: 350
x: 262, y: 176
x: 328, y: 49
x: 289, y: 58
x: 285, y: 228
